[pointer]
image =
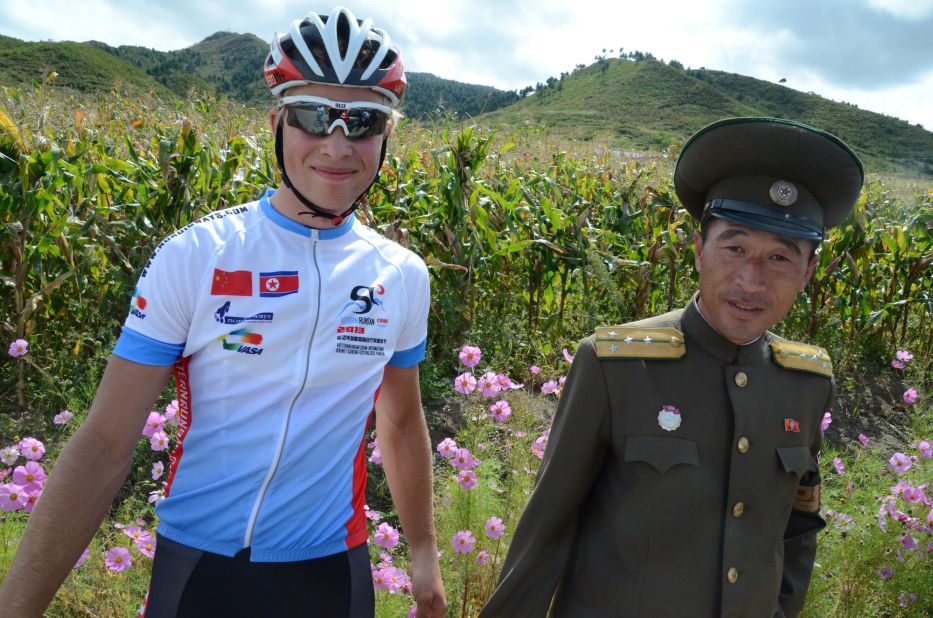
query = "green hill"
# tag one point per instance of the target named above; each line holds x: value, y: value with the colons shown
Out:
x: 636, y: 102
x: 78, y: 65
x: 647, y: 104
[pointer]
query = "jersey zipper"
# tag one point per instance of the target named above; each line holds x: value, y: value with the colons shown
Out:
x: 283, y: 434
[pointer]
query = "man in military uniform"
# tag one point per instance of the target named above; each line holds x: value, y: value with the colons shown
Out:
x: 680, y: 477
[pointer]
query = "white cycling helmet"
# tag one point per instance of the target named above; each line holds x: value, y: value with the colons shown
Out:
x: 335, y: 49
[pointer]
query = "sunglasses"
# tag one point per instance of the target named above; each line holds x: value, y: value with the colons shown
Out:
x: 318, y: 116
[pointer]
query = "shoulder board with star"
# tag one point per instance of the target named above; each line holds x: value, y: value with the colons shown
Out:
x: 639, y: 342
x: 801, y: 357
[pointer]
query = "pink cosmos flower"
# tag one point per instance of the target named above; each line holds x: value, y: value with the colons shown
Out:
x: 482, y: 558
x: 837, y: 464
x: 904, y: 356
x: 376, y: 456
x: 827, y: 420
x: 63, y: 417
x: 413, y: 612
x: 82, y: 558
x: 118, y: 559
x: 465, y: 383
x: 463, y: 542
x: 930, y: 519
x: 136, y: 533
x: 897, y: 364
x: 154, y: 424
x: 539, y: 445
x: 843, y: 522
x: 463, y: 460
x: 481, y: 447
x: 863, y: 439
x: 925, y: 449
x: 912, y: 494
x: 501, y: 410
x: 158, y: 469
x: 380, y: 579
x: 908, y: 542
x: 32, y: 497
x: 900, y: 462
x: 31, y: 449
x: 567, y: 355
x: 30, y: 476
x: 9, y: 454
x: 159, y: 441
x: 494, y: 528
x: 534, y: 369
x: 146, y: 546
x: 488, y: 384
x: 885, y: 572
x: 447, y: 448
x: 549, y: 387
x: 467, y: 479
x: 906, y: 599
x: 371, y: 514
x: 470, y: 355
x: 5, y: 474
x: 386, y: 536
x: 171, y: 412
x: 505, y: 382
x: 12, y: 497
x: 910, y: 396
x: 19, y: 348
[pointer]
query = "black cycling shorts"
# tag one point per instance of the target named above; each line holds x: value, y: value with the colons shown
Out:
x: 190, y: 583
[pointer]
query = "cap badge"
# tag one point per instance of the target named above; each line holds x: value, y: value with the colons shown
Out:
x: 669, y: 418
x: 783, y: 193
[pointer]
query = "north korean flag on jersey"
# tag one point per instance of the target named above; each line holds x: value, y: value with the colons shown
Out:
x: 280, y: 283
x: 232, y: 283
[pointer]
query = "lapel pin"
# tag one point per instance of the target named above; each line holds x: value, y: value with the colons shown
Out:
x: 669, y: 418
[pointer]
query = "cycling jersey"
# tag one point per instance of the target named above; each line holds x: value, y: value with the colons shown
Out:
x: 279, y: 334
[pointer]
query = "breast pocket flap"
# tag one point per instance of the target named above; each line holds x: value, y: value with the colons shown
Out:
x: 796, y: 460
x: 661, y: 452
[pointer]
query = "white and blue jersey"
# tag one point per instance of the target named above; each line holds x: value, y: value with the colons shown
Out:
x: 279, y: 335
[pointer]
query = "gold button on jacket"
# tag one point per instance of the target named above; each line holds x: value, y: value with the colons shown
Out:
x: 630, y: 519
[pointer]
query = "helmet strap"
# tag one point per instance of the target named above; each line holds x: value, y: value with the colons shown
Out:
x: 315, y: 210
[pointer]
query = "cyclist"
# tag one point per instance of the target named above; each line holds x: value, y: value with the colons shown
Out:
x: 287, y: 323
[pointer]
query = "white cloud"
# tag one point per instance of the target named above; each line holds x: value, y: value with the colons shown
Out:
x: 908, y: 9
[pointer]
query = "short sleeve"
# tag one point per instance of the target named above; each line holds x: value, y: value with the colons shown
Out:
x: 412, y: 339
x: 156, y: 328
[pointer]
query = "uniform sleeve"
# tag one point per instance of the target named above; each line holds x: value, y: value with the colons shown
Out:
x: 414, y: 334
x: 545, y: 534
x: 800, y: 535
x: 156, y: 328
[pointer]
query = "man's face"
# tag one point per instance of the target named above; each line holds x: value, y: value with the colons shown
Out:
x: 331, y: 171
x: 749, y: 278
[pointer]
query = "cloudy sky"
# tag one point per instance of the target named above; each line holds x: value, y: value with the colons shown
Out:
x: 877, y: 54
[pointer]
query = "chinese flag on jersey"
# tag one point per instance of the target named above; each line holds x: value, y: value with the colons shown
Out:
x: 232, y: 283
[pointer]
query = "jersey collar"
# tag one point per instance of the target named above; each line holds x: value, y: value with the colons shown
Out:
x: 293, y: 226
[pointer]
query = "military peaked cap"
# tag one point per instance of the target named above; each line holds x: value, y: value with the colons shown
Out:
x: 776, y: 175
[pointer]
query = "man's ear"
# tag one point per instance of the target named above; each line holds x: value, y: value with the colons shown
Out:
x: 697, y: 251
x: 274, y: 114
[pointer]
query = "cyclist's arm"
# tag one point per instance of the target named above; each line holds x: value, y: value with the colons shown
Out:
x: 86, y: 477
x: 406, y: 456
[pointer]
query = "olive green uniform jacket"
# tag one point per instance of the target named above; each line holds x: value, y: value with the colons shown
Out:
x: 717, y: 517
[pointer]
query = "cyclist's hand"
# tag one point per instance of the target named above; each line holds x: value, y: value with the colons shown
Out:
x: 426, y: 585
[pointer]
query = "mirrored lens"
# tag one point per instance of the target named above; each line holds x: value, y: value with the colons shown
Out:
x: 320, y: 120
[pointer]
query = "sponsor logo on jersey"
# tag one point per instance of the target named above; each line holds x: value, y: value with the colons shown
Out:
x: 243, y: 341
x: 280, y: 283
x: 138, y: 305
x: 222, y: 316
x: 364, y: 300
x: 232, y: 283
